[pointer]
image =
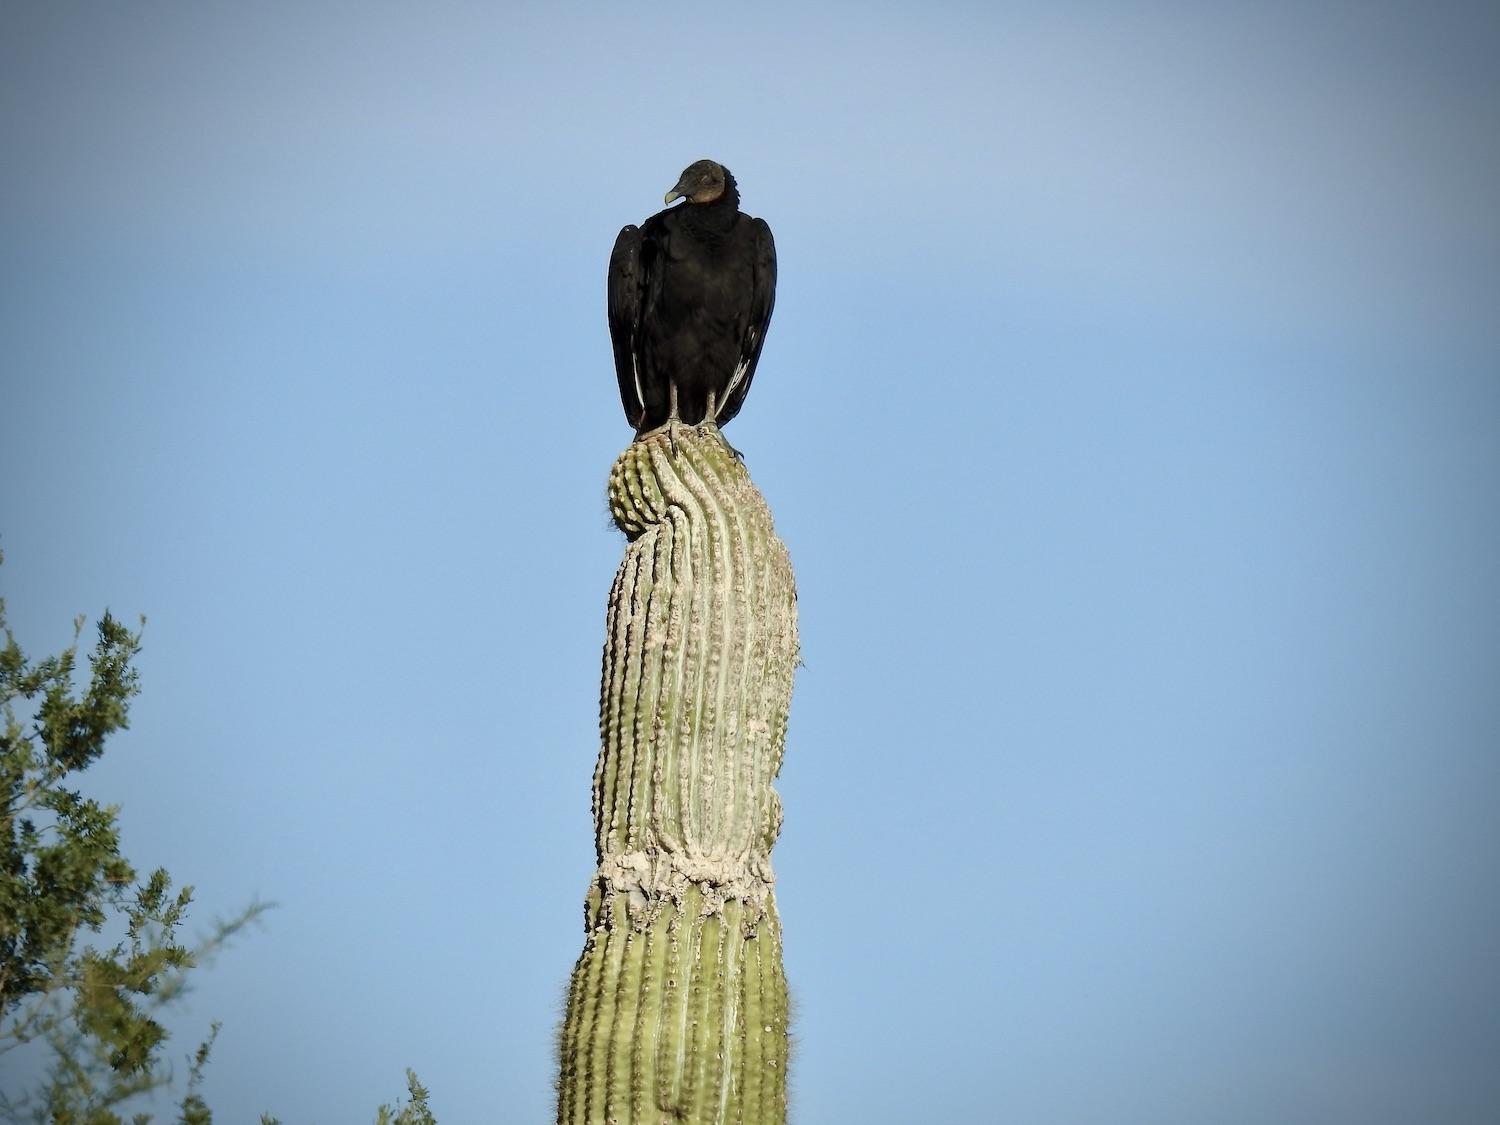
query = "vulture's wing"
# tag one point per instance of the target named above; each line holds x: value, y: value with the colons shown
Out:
x: 624, y: 303
x: 762, y: 301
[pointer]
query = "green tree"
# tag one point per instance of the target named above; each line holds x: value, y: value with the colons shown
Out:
x: 91, y: 953
x: 414, y: 1112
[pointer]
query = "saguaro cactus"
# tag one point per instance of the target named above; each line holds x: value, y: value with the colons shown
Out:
x: 677, y: 1010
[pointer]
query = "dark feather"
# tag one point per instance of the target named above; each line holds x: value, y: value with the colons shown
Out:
x: 624, y: 317
x: 690, y: 296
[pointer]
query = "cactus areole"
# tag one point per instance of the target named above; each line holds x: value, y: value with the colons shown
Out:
x: 677, y: 1009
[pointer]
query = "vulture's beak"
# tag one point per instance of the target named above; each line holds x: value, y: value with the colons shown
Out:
x: 680, y: 191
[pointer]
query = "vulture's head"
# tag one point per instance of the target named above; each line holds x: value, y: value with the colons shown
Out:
x: 701, y: 182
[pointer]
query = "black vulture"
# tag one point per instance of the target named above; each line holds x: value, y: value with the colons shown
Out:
x: 690, y: 295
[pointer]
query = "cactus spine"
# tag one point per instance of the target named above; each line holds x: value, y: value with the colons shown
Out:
x: 677, y: 1009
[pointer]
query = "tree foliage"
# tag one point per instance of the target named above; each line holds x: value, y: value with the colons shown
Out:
x: 90, y: 952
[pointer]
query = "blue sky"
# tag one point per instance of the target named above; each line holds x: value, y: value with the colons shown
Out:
x: 1130, y: 412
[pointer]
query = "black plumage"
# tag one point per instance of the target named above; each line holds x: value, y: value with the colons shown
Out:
x: 690, y: 295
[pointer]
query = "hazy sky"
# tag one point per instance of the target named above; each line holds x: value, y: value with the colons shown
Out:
x: 1132, y: 414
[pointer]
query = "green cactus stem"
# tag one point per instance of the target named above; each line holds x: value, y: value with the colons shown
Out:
x: 677, y: 1009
